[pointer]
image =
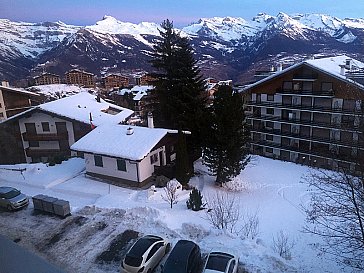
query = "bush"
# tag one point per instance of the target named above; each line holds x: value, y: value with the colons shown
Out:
x: 195, y: 200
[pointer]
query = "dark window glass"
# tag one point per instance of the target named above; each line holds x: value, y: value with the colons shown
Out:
x: 121, y: 165
x: 269, y: 124
x: 98, y: 161
x: 307, y: 86
x: 270, y: 97
x: 287, y: 86
x: 326, y: 86
x: 269, y: 137
x: 45, y: 126
x: 33, y: 143
x: 153, y: 158
x: 270, y: 111
x: 269, y: 150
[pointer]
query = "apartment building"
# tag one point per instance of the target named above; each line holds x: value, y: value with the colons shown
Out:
x: 309, y: 113
x: 79, y: 77
x: 47, y: 78
x: 115, y: 81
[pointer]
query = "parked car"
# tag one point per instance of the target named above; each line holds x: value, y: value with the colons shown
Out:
x: 221, y: 262
x: 185, y: 257
x: 12, y: 198
x: 145, y: 254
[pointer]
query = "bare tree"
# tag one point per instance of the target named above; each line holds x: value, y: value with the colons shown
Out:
x: 170, y: 191
x: 337, y: 214
x: 250, y: 225
x: 283, y: 245
x: 223, y: 210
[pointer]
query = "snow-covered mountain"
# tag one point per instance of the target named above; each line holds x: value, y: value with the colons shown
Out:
x: 225, y: 47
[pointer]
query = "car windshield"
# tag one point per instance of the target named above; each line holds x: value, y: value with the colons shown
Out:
x: 11, y: 194
x: 217, y: 262
x: 133, y: 261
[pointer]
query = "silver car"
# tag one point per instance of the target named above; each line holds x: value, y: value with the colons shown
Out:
x: 12, y: 198
x: 221, y: 262
x: 145, y: 254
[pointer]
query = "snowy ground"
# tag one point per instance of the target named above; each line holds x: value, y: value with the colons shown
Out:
x: 104, y: 216
x: 57, y: 91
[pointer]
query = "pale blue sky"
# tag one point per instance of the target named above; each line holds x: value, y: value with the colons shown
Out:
x: 182, y: 12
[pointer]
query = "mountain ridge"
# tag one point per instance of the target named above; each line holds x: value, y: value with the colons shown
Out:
x: 224, y: 46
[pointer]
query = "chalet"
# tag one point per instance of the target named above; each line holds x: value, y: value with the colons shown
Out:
x: 130, y: 155
x: 310, y: 113
x: 79, y: 77
x: 212, y: 86
x: 47, y: 78
x: 14, y: 100
x: 49, y: 129
x: 145, y: 79
x: 112, y: 81
x: 135, y: 98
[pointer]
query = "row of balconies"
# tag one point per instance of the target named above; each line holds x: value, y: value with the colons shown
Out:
x: 345, y: 126
x: 306, y: 93
x: 310, y: 138
x: 44, y: 137
x: 315, y: 152
x: 300, y: 107
x: 37, y: 152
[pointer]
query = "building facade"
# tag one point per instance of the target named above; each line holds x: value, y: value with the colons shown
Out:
x: 310, y: 113
x: 47, y: 78
x: 115, y: 81
x: 81, y: 78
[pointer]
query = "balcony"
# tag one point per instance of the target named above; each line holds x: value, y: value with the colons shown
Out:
x: 44, y: 137
x: 306, y: 108
x: 345, y: 143
x: 304, y: 93
x: 342, y: 126
x: 37, y: 152
x: 323, y: 154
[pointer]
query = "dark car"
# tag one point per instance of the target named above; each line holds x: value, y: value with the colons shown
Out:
x: 185, y: 257
x: 12, y: 198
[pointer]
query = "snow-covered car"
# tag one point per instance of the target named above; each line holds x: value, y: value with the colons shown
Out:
x: 145, y: 254
x: 12, y: 198
x: 221, y: 262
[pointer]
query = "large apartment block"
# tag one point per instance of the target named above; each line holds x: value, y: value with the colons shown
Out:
x: 79, y: 77
x: 310, y: 113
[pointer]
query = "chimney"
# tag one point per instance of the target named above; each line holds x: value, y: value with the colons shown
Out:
x: 279, y: 67
x: 129, y: 131
x: 5, y: 83
x: 342, y: 70
x: 150, y: 120
x: 348, y: 64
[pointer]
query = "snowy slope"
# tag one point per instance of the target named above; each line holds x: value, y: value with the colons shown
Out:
x: 272, y: 188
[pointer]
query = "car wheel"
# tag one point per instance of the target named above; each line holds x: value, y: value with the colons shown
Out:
x: 168, y: 248
x: 9, y: 207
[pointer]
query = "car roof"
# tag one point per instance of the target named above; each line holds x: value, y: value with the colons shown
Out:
x: 142, y: 245
x: 6, y: 189
x: 218, y: 261
x: 178, y: 259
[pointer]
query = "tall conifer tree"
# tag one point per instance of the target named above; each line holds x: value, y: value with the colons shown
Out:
x: 179, y: 88
x: 226, y: 153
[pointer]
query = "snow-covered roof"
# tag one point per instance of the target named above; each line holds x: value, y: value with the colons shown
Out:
x: 329, y: 65
x: 18, y: 90
x: 139, y: 91
x: 113, y: 140
x: 79, y: 107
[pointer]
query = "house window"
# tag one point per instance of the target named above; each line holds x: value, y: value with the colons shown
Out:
x: 45, y: 126
x: 270, y: 111
x: 121, y: 163
x: 269, y: 137
x: 33, y: 143
x: 287, y: 86
x: 153, y: 158
x: 270, y: 97
x: 269, y: 150
x: 297, y: 86
x: 98, y: 161
x: 307, y: 86
x: 269, y: 124
x: 1, y: 115
x: 326, y: 86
